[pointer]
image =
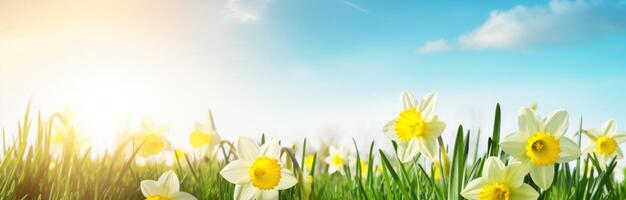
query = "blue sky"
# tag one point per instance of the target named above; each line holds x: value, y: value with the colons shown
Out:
x: 312, y: 68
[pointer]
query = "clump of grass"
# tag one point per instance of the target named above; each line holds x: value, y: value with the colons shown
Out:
x: 29, y: 170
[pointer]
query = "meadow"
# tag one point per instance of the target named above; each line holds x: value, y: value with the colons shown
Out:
x: 545, y: 159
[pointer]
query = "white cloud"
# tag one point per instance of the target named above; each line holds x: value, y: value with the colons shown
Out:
x: 433, y: 46
x: 246, y: 10
x: 557, y: 22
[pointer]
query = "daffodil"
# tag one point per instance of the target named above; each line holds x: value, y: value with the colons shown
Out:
x: 66, y: 130
x: 308, y: 162
x: 166, y: 188
x: 205, y: 137
x: 416, y: 128
x: 500, y: 182
x: 541, y: 144
x: 335, y: 160
x: 152, y: 137
x: 606, y: 141
x: 258, y: 172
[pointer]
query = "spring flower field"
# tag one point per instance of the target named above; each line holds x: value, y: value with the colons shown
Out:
x: 544, y: 159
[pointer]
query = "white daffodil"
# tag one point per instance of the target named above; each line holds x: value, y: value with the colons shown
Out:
x: 335, y: 160
x: 416, y: 128
x: 500, y: 182
x: 152, y: 137
x: 166, y: 188
x: 205, y: 137
x: 258, y: 173
x: 541, y: 144
x: 606, y: 142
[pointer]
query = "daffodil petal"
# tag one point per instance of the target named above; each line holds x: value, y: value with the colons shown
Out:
x: 287, y: 180
x: 609, y: 127
x: 515, y: 172
x: 407, y: 150
x: 529, y: 121
x: 150, y: 188
x: 332, y: 169
x: 524, y: 192
x: 181, y: 196
x: 473, y: 188
x: 589, y: 149
x: 557, y: 122
x: 542, y: 176
x: 267, y: 195
x: 245, y: 192
x: 247, y: 149
x: 408, y: 100
x: 569, y: 150
x: 169, y: 181
x: 592, y: 134
x: 493, y: 169
x: 427, y: 105
x: 390, y: 130
x: 428, y: 147
x: 620, y: 154
x: 332, y: 150
x: 211, y: 122
x: 236, y: 172
x: 271, y: 149
x: 435, y: 127
x: 620, y: 138
x: 515, y: 144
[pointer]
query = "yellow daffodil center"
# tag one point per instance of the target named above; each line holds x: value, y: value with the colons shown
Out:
x: 265, y: 173
x: 337, y: 160
x: 543, y: 149
x: 152, y: 144
x: 308, y: 162
x: 496, y: 191
x: 409, y: 125
x: 199, y: 138
x: 606, y: 145
x: 157, y: 197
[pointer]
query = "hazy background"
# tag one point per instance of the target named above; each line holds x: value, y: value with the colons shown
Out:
x: 317, y: 69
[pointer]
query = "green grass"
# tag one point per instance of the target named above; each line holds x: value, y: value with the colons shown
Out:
x: 26, y: 171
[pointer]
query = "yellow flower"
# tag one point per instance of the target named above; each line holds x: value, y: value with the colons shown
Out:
x: 308, y: 162
x: 166, y: 188
x: 416, y: 128
x: 500, y: 182
x: 606, y: 142
x: 205, y: 137
x: 258, y: 173
x: 541, y: 144
x: 65, y: 130
x: 152, y: 137
x: 335, y: 160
